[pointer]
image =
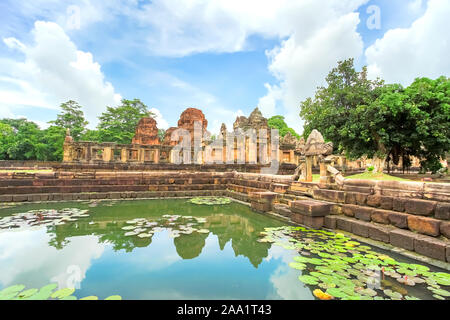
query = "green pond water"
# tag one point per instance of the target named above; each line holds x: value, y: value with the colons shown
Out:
x: 175, y: 249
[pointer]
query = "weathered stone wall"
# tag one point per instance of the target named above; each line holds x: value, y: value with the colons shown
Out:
x: 411, y: 215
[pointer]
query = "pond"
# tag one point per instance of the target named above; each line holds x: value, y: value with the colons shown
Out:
x: 191, y: 249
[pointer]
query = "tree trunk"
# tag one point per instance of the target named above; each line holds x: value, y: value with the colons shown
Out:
x: 378, y: 164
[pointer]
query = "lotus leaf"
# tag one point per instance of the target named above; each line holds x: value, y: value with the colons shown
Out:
x: 411, y: 298
x: 441, y: 292
x: 301, y: 259
x: 90, y: 298
x: 12, y: 289
x: 62, y: 293
x: 368, y: 292
x: 438, y: 297
x: 336, y: 292
x: 297, y: 265
x: 27, y: 293
x: 114, y: 297
x: 308, y: 279
x: 393, y: 294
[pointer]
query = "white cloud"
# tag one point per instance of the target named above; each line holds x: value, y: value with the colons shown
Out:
x: 160, y: 121
x: 26, y: 254
x: 415, y: 6
x: 182, y: 27
x: 420, y: 50
x: 53, y: 72
x: 302, y: 63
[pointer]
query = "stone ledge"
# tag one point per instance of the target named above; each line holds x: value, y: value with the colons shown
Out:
x: 442, y: 211
x: 329, y: 195
x: 424, y: 225
x: 380, y: 216
x: 420, y: 207
x: 282, y: 209
x: 311, y: 208
x: 380, y: 233
x: 329, y: 222
x: 361, y: 228
x: 403, y: 239
x: 431, y: 247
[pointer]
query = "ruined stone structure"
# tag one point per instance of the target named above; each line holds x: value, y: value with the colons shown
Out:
x: 146, y: 133
x: 146, y: 146
x: 315, y: 149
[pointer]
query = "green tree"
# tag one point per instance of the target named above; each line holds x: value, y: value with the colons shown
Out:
x: 277, y: 122
x: 119, y: 124
x: 430, y: 101
x: 71, y: 117
x: 51, y: 148
x: 91, y: 135
x: 386, y: 122
x: 161, y: 134
x: 22, y: 144
x: 6, y: 140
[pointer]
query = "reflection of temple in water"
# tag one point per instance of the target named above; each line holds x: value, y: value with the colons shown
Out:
x: 242, y: 233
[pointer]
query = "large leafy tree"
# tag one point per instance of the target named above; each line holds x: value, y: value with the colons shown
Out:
x: 386, y: 122
x: 51, y: 148
x: 6, y: 140
x: 277, y: 122
x: 430, y: 107
x: 71, y: 117
x: 336, y: 110
x: 118, y: 124
x: 23, y: 139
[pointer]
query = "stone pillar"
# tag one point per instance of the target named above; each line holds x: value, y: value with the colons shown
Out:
x: 68, y: 152
x: 309, y: 165
x: 157, y: 155
x: 88, y: 153
x: 325, y: 176
x: 124, y: 155
x: 107, y: 154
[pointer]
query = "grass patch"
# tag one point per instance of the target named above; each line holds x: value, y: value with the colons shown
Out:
x: 376, y: 176
x: 27, y: 171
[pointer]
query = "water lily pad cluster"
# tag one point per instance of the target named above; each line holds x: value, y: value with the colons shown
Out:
x: 48, y: 292
x: 176, y: 224
x: 42, y: 217
x: 211, y: 201
x: 345, y: 269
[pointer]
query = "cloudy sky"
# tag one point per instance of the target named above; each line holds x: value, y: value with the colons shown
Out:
x: 223, y: 56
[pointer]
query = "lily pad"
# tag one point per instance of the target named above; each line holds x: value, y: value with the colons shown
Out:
x: 297, y: 265
x: 27, y: 293
x: 393, y: 294
x: 12, y: 289
x: 114, y: 297
x: 441, y: 292
x: 336, y: 292
x: 62, y: 293
x: 308, y: 279
x: 90, y: 298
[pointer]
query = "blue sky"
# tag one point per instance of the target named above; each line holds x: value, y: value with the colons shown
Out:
x: 224, y: 57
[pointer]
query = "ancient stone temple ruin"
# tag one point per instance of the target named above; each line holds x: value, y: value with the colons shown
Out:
x: 146, y: 147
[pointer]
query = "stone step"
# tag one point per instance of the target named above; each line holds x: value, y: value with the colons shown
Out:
x: 282, y: 209
x: 297, y: 192
x: 312, y: 208
x: 436, y: 248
